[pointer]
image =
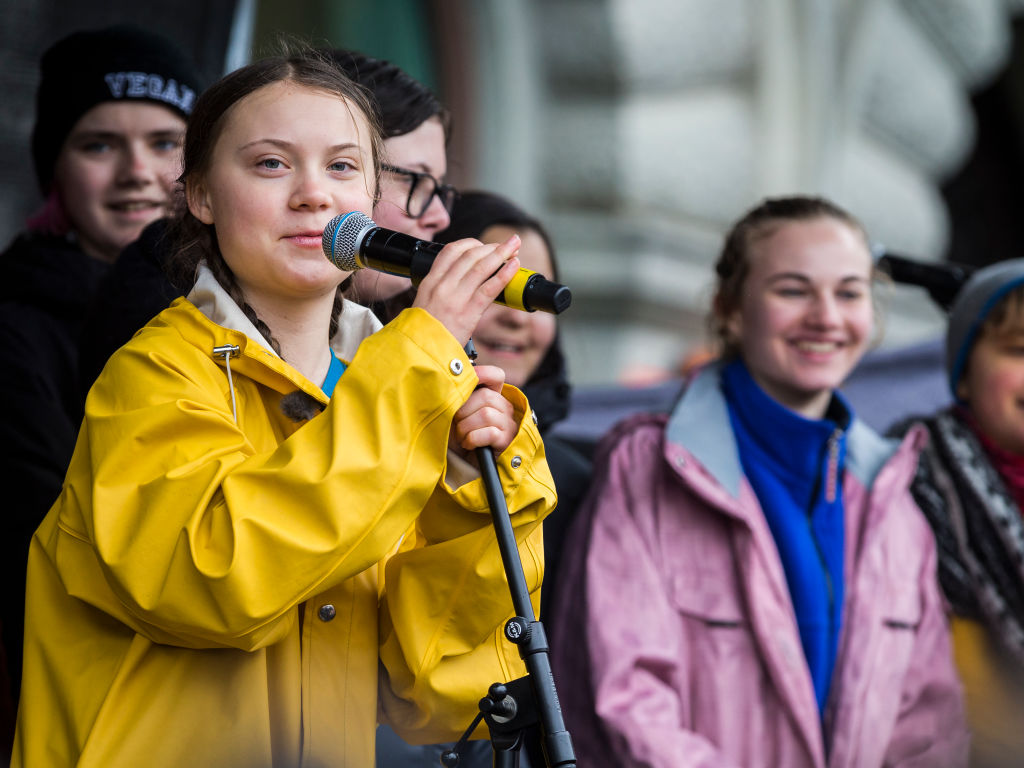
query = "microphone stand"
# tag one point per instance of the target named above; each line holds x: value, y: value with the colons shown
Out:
x: 514, y: 709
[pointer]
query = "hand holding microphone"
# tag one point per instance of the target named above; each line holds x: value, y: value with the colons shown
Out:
x: 464, y: 280
x: 457, y: 282
x: 353, y: 241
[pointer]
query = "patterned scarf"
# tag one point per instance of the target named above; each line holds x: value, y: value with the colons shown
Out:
x: 1010, y: 466
x: 978, y: 528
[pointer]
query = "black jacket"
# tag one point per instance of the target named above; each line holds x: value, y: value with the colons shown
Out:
x: 548, y: 391
x: 48, y: 286
x: 133, y: 292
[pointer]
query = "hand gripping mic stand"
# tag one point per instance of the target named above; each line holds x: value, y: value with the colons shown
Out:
x: 515, y: 709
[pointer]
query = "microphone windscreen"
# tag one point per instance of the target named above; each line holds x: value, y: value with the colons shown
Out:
x: 342, y: 237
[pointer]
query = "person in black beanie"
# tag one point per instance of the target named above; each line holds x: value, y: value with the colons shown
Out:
x: 110, y: 116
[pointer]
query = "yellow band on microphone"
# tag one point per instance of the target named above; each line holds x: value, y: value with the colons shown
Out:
x: 512, y: 295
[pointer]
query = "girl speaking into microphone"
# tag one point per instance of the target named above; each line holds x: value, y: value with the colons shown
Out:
x: 272, y: 534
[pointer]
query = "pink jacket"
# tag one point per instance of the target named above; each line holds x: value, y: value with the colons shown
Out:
x: 674, y: 640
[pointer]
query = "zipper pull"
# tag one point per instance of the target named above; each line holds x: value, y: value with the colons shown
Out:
x: 832, y: 469
x: 227, y: 351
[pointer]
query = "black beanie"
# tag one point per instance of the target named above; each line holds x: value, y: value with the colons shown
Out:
x: 112, y: 64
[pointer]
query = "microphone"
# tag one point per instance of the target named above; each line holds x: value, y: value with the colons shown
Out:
x: 942, y: 281
x: 353, y: 241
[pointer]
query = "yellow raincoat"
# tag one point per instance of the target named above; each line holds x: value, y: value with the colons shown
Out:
x: 207, y: 592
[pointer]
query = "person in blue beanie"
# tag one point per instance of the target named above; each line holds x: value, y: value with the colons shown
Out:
x: 970, y: 485
x: 754, y: 583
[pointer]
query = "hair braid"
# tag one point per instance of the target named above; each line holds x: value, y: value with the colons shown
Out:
x: 196, y: 241
x: 339, y: 299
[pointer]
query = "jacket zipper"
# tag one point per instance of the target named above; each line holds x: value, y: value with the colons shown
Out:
x: 831, y: 485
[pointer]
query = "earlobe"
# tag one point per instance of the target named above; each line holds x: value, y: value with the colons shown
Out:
x: 733, y: 326
x: 963, y: 392
x: 198, y: 199
x: 729, y: 320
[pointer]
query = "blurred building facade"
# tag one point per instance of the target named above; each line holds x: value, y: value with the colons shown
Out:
x: 637, y: 129
x: 666, y: 120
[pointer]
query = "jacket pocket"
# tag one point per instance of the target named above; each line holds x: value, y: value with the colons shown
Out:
x: 901, y: 610
x: 900, y: 616
x: 709, y: 600
x: 721, y: 678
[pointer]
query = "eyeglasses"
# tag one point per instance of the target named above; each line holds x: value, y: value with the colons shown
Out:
x: 422, y: 188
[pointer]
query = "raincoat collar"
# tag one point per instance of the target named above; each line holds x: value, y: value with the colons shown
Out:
x: 355, y: 323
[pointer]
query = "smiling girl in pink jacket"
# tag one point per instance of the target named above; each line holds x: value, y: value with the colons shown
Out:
x: 755, y: 585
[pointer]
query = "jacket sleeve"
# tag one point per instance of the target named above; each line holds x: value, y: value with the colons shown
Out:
x: 637, y: 653
x: 198, y: 531
x: 37, y: 438
x: 931, y: 727
x: 446, y: 598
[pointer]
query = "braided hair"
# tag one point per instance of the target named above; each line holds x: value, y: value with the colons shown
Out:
x: 196, y: 242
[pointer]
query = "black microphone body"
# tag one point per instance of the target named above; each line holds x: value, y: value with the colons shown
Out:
x: 353, y: 241
x: 396, y: 253
x: 941, y: 280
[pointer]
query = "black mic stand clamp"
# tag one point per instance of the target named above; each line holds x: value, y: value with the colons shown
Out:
x: 519, y: 708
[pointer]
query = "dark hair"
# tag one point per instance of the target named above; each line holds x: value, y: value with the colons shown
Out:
x: 196, y: 241
x: 733, y: 263
x: 476, y: 212
x: 403, y: 103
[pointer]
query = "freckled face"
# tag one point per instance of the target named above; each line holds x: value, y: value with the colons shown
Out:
x: 993, y: 386
x: 275, y: 181
x: 805, y: 317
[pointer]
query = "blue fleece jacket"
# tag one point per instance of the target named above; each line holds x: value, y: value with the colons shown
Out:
x: 794, y: 465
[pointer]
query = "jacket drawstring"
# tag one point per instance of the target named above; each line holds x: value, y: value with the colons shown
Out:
x: 832, y: 470
x: 227, y: 351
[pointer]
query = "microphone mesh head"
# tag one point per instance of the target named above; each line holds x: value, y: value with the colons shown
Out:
x: 342, y: 238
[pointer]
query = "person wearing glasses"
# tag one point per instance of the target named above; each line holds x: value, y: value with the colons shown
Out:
x: 416, y: 191
x: 413, y: 199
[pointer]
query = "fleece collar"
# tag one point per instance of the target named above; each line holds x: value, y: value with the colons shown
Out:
x: 699, y: 424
